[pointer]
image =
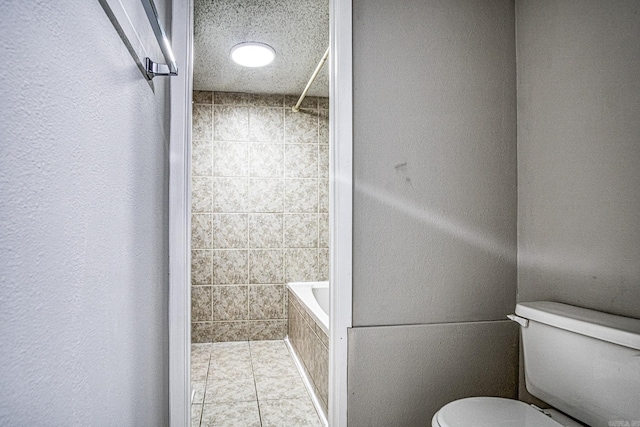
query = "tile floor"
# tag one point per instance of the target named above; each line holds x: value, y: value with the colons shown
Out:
x: 246, y: 383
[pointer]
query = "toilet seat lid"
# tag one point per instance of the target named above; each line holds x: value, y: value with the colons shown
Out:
x: 491, y: 412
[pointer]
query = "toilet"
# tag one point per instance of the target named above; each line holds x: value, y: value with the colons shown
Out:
x: 584, y: 363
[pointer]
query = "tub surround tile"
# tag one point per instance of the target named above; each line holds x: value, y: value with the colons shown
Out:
x: 231, y: 98
x: 230, y: 267
x: 202, y: 129
x: 201, y: 332
x: 230, y: 159
x: 308, y: 101
x: 201, y: 158
x: 301, y: 230
x: 323, y: 264
x: 266, y: 124
x: 323, y: 127
x: 201, y: 303
x: 323, y: 196
x: 202, y: 97
x: 265, y: 266
x: 230, y: 231
x: 323, y: 161
x: 201, y: 237
x: 323, y: 230
x: 230, y: 302
x: 201, y: 193
x: 301, y: 160
x: 230, y: 195
x: 266, y: 160
x: 201, y: 267
x: 267, y: 329
x: 230, y: 331
x: 301, y: 127
x: 252, y: 162
x: 323, y: 102
x: 301, y: 196
x: 265, y: 195
x: 289, y: 412
x: 266, y: 302
x: 231, y: 414
x: 265, y: 230
x: 301, y: 265
x: 231, y: 123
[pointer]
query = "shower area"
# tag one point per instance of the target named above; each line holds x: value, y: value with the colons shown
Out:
x: 260, y: 198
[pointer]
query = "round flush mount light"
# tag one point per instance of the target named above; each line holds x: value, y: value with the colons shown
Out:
x: 252, y: 54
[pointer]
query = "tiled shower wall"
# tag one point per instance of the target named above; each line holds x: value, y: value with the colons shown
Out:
x: 260, y: 196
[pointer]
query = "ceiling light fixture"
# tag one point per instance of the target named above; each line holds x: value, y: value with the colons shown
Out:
x: 252, y: 54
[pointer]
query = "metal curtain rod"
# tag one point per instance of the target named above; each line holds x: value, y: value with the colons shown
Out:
x: 153, y: 68
x: 296, y: 107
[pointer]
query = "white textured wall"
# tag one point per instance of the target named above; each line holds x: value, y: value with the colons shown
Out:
x: 83, y: 215
x: 434, y: 207
x: 579, y: 153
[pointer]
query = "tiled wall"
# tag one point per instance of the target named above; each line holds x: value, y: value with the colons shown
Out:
x: 260, y: 210
x: 311, y: 344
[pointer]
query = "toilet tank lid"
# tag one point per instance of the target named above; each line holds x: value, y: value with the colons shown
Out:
x: 619, y: 330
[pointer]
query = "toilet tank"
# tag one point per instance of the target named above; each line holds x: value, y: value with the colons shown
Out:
x: 583, y: 362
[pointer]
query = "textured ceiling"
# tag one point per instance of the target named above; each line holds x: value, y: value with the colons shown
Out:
x: 298, y: 30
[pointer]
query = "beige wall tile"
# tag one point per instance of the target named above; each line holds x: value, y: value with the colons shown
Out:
x: 230, y: 267
x: 301, y: 265
x: 267, y: 160
x: 301, y: 127
x: 230, y: 231
x: 202, y: 97
x: 265, y: 266
x: 231, y: 123
x: 301, y: 161
x: 301, y: 195
x: 201, y: 158
x: 266, y: 302
x: 323, y: 127
x: 267, y: 329
x: 230, y: 302
x: 201, y: 237
x: 323, y: 161
x: 301, y: 230
x: 230, y: 331
x: 201, y: 193
x: 201, y: 332
x: 266, y: 124
x: 201, y: 267
x: 201, y: 303
x: 265, y: 195
x: 230, y: 195
x: 202, y: 129
x: 266, y: 230
x: 230, y: 159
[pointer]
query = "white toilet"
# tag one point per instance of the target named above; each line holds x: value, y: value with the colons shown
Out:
x: 584, y: 363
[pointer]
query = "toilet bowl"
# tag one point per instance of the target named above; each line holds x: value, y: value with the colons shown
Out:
x: 496, y: 411
x: 584, y: 362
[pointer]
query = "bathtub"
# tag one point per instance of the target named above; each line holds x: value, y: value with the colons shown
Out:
x: 314, y: 296
x: 308, y: 337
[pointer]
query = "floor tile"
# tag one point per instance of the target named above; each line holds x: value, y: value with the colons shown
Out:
x: 263, y: 349
x: 288, y: 413
x: 230, y: 390
x: 198, y: 387
x: 285, y: 387
x: 230, y: 368
x: 274, y: 367
x: 196, y: 413
x: 199, y: 371
x: 232, y: 414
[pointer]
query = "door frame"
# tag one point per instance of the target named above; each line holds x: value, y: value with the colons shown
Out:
x: 340, y: 208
